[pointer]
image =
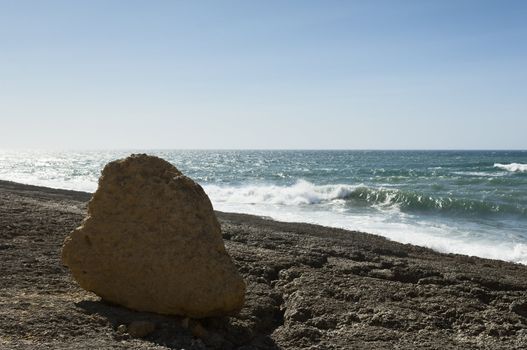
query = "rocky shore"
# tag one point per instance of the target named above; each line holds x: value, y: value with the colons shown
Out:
x: 307, y: 287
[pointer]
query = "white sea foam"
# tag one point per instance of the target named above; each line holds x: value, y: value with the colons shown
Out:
x: 394, y: 225
x: 513, y: 167
x: 478, y: 173
x: 80, y: 183
x: 325, y: 205
x: 302, y: 192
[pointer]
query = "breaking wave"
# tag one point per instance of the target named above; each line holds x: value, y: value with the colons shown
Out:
x: 513, y: 167
x: 301, y: 193
x: 306, y: 193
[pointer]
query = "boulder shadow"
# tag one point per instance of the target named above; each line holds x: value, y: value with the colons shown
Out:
x: 176, y: 332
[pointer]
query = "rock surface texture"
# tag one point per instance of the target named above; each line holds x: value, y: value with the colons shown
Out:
x: 151, y: 242
x: 308, y: 287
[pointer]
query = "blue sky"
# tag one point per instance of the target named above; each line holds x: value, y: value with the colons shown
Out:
x: 263, y: 74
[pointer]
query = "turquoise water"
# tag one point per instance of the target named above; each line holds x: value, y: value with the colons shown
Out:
x: 470, y: 202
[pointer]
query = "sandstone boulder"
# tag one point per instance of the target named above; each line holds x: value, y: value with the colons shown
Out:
x: 151, y: 242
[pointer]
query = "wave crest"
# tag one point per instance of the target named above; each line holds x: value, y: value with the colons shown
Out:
x: 413, y: 201
x: 513, y: 167
x: 306, y: 193
x: 302, y: 192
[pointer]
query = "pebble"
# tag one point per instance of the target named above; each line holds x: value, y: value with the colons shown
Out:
x: 140, y: 329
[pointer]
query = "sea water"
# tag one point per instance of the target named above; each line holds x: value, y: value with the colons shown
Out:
x: 468, y: 202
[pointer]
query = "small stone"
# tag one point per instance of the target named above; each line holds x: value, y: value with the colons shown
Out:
x: 493, y: 330
x: 121, y: 329
x: 386, y: 274
x: 140, y: 329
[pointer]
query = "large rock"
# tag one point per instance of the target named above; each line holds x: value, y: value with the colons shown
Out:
x: 151, y: 242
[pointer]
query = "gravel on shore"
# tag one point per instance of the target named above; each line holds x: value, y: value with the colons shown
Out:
x: 308, y: 287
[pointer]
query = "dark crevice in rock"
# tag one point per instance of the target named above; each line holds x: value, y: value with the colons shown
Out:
x: 390, y: 252
x: 314, y: 261
x: 412, y: 274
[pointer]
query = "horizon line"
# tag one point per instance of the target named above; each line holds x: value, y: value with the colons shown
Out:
x: 269, y: 149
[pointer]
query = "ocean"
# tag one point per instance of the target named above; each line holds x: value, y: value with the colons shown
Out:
x: 467, y: 202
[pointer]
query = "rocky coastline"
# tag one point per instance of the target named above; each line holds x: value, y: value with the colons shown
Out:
x: 308, y: 287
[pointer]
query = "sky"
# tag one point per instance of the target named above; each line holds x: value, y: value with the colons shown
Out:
x: 108, y: 74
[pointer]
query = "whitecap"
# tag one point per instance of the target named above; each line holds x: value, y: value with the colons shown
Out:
x: 513, y: 167
x: 302, y: 192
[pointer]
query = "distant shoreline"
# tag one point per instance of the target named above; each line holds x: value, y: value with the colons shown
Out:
x: 142, y: 150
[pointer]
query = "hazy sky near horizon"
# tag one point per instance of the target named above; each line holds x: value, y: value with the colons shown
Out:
x: 263, y: 74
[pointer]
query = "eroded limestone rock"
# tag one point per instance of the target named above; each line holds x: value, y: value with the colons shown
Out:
x: 151, y: 242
